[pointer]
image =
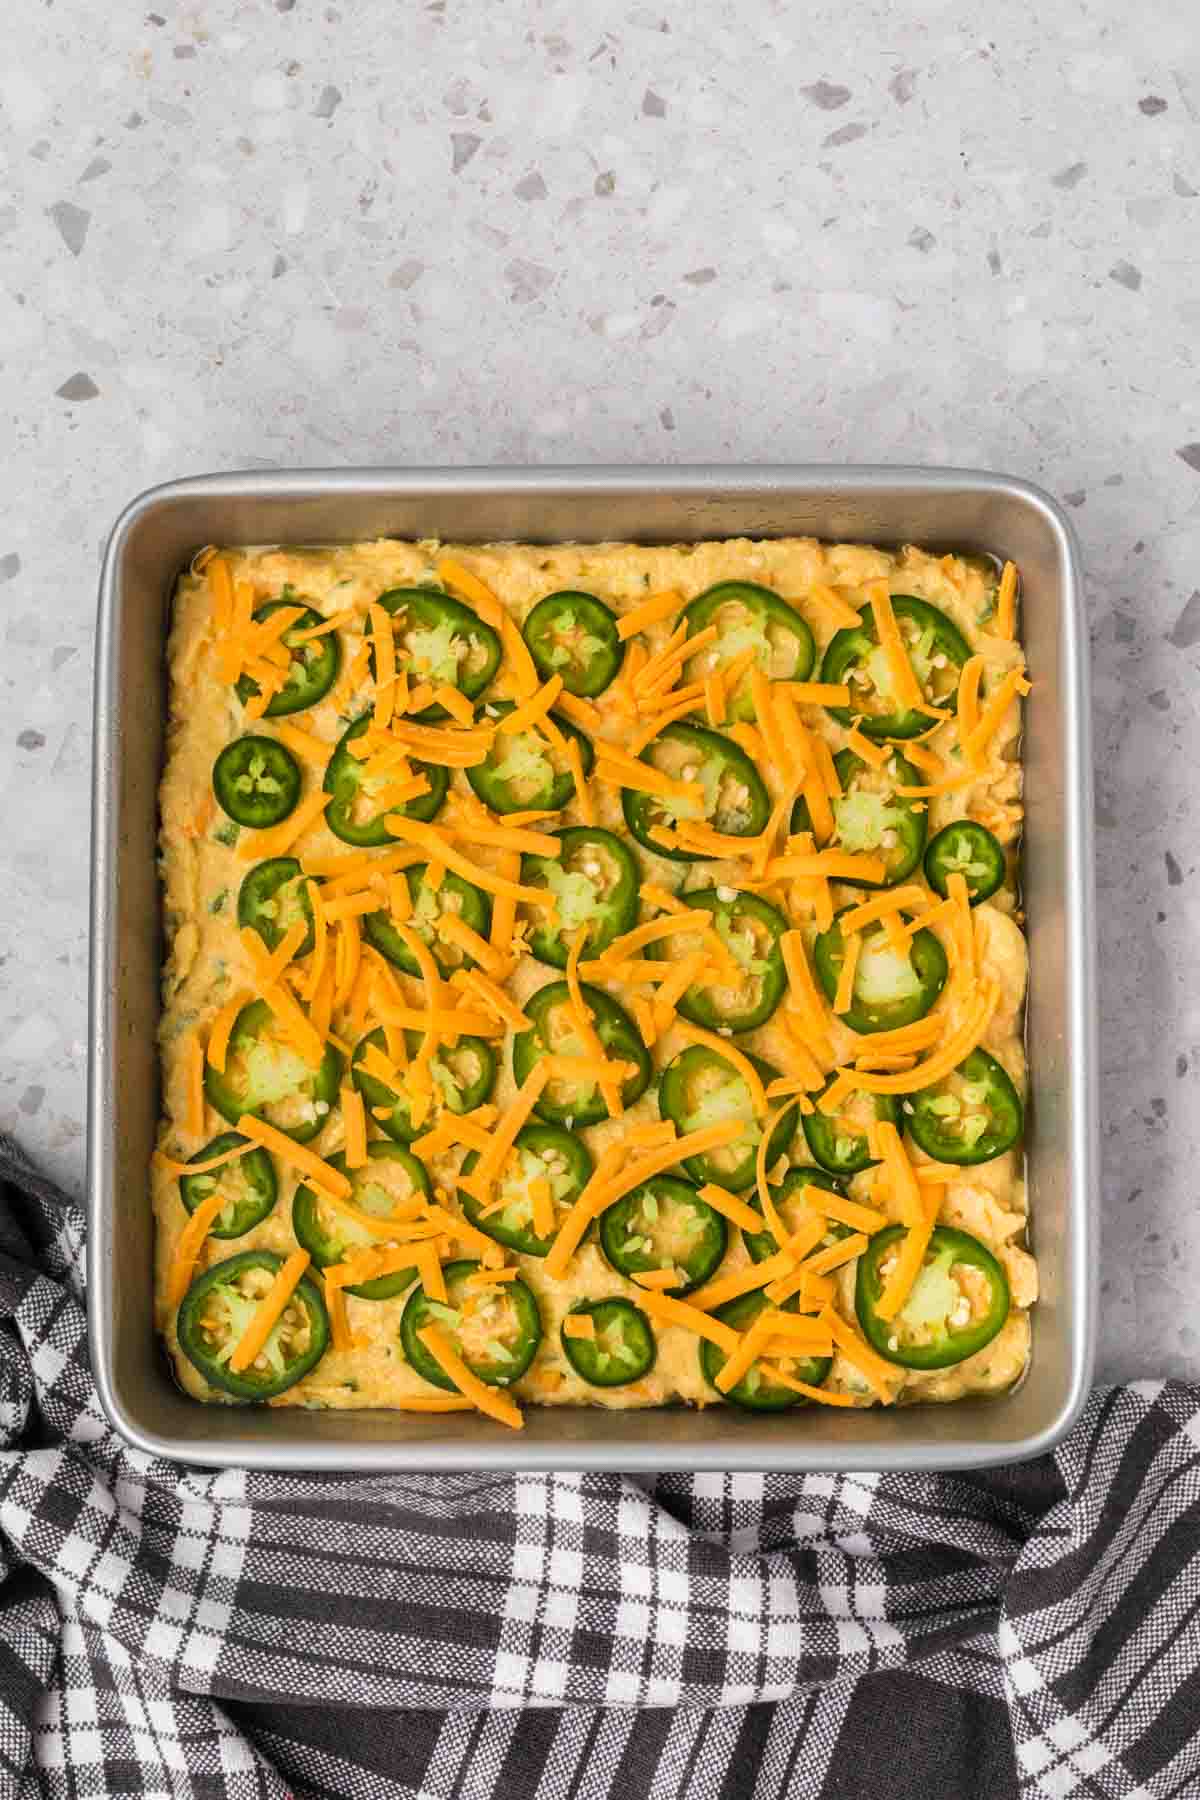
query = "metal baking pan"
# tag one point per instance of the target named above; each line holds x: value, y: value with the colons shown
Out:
x: 152, y: 541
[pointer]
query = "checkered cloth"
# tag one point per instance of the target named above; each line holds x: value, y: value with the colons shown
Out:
x: 172, y: 1632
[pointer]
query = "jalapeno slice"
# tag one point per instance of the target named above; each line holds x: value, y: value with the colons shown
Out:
x: 256, y: 781
x: 792, y: 1209
x: 839, y: 1143
x: 975, y: 1114
x: 575, y: 635
x: 522, y: 772
x: 623, y: 1348
x: 967, y: 849
x: 350, y: 814
x: 463, y: 1073
x: 957, y: 1304
x: 750, y: 929
x: 249, y: 1186
x: 756, y: 1392
x: 217, y: 1309
x: 390, y: 1176
x: 595, y: 884
x: 312, y: 667
x: 543, y: 1153
x: 890, y: 989
x: 553, y: 1032
x: 750, y: 617
x: 936, y: 649
x: 440, y: 640
x: 870, y: 817
x: 265, y: 1075
x: 700, y: 1088
x: 664, y: 1224
x: 462, y: 898
x: 272, y: 898
x: 735, y: 801
x: 496, y: 1330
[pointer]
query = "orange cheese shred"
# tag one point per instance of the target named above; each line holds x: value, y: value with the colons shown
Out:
x: 189, y: 1244
x: 488, y: 1399
x: 269, y: 1311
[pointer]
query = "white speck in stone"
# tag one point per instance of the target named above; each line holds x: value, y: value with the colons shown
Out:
x: 619, y: 325
x: 319, y: 346
x: 209, y: 230
x: 744, y: 319
x: 233, y: 295
x: 32, y: 1040
x: 23, y: 100
x: 295, y: 207
x: 209, y: 174
x: 666, y: 206
x: 156, y: 442
x: 552, y: 424
x: 866, y: 315
x: 269, y: 93
x: 777, y: 234
x: 1026, y: 347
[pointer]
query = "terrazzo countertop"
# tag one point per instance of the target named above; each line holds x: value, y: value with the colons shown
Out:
x: 277, y: 233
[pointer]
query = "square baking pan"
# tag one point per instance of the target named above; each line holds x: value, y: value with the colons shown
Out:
x: 154, y: 539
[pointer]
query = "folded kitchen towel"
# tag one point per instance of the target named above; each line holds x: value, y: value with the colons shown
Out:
x: 167, y: 1631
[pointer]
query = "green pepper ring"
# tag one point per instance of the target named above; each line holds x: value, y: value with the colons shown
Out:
x: 740, y: 1314
x: 581, y: 1352
x: 243, y: 1387
x: 912, y: 830
x: 306, y: 1224
x: 985, y: 850
x: 276, y: 764
x: 475, y: 910
x: 672, y: 1105
x: 764, y: 604
x: 703, y: 1262
x: 761, y: 1244
x: 535, y: 1138
x: 638, y: 807
x: 1003, y: 1102
x: 695, y: 1003
x: 417, y: 1314
x: 926, y: 958
x: 603, y: 666
x: 429, y: 606
x: 616, y: 914
x: 225, y: 1098
x: 819, y: 1134
x: 343, y: 776
x: 260, y: 887
x: 855, y: 642
x: 398, y: 1124
x: 497, y: 793
x: 616, y: 1032
x: 259, y: 1173
x: 298, y: 696
x: 950, y: 1246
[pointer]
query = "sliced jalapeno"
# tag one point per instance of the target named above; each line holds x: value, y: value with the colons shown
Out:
x: 312, y: 667
x: 496, y: 1330
x: 957, y: 1304
x: 248, y: 1184
x: 217, y: 1309
x: 839, y: 1143
x: 967, y: 849
x: 522, y: 772
x: 750, y: 617
x: 872, y: 818
x: 972, y: 1116
x: 622, y: 1348
x: 464, y: 1075
x: 440, y: 640
x: 756, y: 1392
x: 553, y: 1032
x: 390, y: 1176
x: 273, y: 898
x: 700, y: 1088
x: 664, y: 1224
x: 462, y: 898
x: 256, y: 781
x: 575, y: 636
x: 543, y: 1153
x: 751, y: 930
x: 352, y: 815
x: 890, y: 989
x: 594, y: 882
x: 266, y: 1075
x: 936, y: 649
x: 734, y: 800
x: 792, y: 1209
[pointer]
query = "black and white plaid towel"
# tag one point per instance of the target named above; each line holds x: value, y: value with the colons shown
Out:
x: 171, y: 1632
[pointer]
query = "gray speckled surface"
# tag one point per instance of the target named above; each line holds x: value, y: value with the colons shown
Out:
x: 276, y: 232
